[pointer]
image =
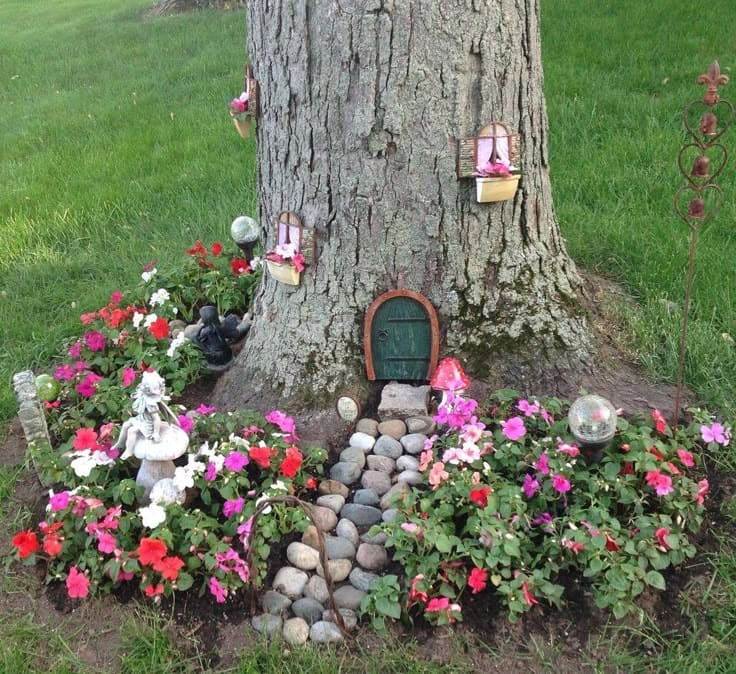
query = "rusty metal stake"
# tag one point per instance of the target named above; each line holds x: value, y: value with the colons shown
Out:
x: 699, y: 181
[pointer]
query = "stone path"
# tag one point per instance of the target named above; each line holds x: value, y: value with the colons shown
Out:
x: 381, y: 462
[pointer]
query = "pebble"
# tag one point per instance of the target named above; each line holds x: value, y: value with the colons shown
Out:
x: 406, y: 462
x: 392, y: 495
x: 339, y: 569
x: 361, y: 515
x: 364, y: 441
x: 334, y: 502
x: 266, y: 624
x: 366, y: 497
x: 346, y: 472
x: 410, y: 477
x: 354, y: 455
x: 388, y: 446
x: 383, y: 463
x: 302, y: 556
x: 296, y: 631
x: 424, y: 425
x: 393, y: 427
x: 325, y: 518
x: 367, y: 426
x: 347, y: 596
x: 333, y: 487
x: 362, y: 580
x: 316, y: 589
x: 339, y: 548
x: 372, y: 557
x: 349, y: 617
x: 275, y: 602
x: 348, y: 531
x: 389, y: 515
x: 308, y: 609
x: 414, y: 442
x: 290, y: 581
x: 376, y: 480
x: 323, y: 632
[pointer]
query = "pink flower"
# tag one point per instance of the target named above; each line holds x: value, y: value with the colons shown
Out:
x: 64, y: 373
x: 285, y: 424
x: 219, y: 592
x: 568, y: 543
x: 425, y: 459
x: 233, y: 506
x: 87, y: 386
x: 106, y: 542
x: 514, y: 428
x: 565, y: 448
x: 410, y: 527
x: 478, y: 579
x: 94, y: 340
x: 661, y: 483
x: 561, y: 483
x: 542, y: 464
x: 437, y: 474
x: 529, y: 598
x: 437, y: 604
x: 659, y: 422
x: 128, y: 376
x: 236, y: 461
x: 703, y: 487
x: 205, y: 409
x: 211, y: 472
x: 529, y: 409
x: 59, y: 501
x: 185, y: 423
x: 494, y: 170
x: 75, y: 350
x: 715, y: 433
x: 661, y: 536
x: 77, y: 584
x: 686, y: 458
x: 530, y: 486
x: 116, y: 297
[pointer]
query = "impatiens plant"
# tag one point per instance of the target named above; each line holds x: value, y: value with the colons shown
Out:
x: 511, y: 503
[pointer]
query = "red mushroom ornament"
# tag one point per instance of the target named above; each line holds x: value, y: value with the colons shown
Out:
x: 449, y: 376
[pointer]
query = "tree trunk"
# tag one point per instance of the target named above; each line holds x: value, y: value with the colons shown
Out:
x: 360, y: 104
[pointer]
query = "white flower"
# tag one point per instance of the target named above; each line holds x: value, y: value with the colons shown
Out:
x: 137, y: 319
x: 86, y: 460
x: 183, y: 477
x: 175, y: 310
x: 238, y: 441
x: 286, y: 250
x: 161, y: 296
x: 260, y: 500
x: 194, y: 465
x: 175, y: 344
x: 166, y: 491
x: 279, y: 486
x: 256, y: 262
x: 152, y: 515
x: 150, y: 320
x: 148, y: 275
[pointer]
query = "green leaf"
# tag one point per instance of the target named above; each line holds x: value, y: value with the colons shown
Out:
x: 184, y: 581
x: 655, y: 579
x: 443, y: 543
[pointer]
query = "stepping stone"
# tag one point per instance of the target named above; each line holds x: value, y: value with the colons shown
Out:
x: 367, y: 426
x: 388, y: 446
x: 393, y: 427
x: 403, y: 400
x: 361, y: 515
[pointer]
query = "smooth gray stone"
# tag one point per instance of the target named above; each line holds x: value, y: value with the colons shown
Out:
x: 339, y: 569
x: 275, y: 602
x: 347, y: 596
x: 290, y: 581
x: 339, y: 548
x: 325, y: 518
x: 302, y: 556
x: 348, y: 531
x: 389, y: 515
x: 334, y: 502
x: 376, y: 480
x: 364, y: 441
x: 308, y: 609
x: 266, y: 623
x: 346, y: 472
x: 388, y: 446
x: 363, y: 580
x: 393, y: 427
x: 424, y: 425
x: 354, y: 454
x: 394, y: 495
x: 371, y: 556
x: 361, y: 515
x: 323, y: 632
x: 407, y: 462
x: 296, y: 631
x: 379, y: 539
x: 367, y: 426
x: 414, y: 442
x: 333, y: 487
x: 383, y: 463
x: 411, y: 477
x: 316, y: 589
x: 349, y: 617
x: 366, y: 497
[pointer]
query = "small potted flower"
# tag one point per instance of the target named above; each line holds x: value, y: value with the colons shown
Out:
x: 239, y: 111
x: 285, y: 264
x: 496, y: 181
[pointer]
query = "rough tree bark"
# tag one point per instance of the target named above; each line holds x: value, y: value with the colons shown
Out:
x: 360, y: 103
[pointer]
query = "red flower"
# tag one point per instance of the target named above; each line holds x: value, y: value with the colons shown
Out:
x: 703, y: 487
x: 414, y: 594
x: 151, y: 551
x: 52, y: 545
x: 611, y: 544
x: 628, y: 469
x: 292, y: 463
x: 262, y: 455
x: 197, y: 250
x: 77, y: 584
x: 240, y: 266
x: 216, y: 248
x: 480, y: 496
x: 169, y: 567
x: 86, y: 438
x: 659, y: 422
x: 478, y: 579
x: 311, y: 483
x: 660, y: 535
x: 88, y: 318
x: 26, y: 542
x: 656, y: 452
x: 159, y: 328
x: 529, y: 598
x: 154, y: 590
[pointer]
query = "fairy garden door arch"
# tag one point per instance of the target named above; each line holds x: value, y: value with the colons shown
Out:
x: 401, y: 337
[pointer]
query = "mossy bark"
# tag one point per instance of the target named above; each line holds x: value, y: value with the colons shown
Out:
x: 361, y: 102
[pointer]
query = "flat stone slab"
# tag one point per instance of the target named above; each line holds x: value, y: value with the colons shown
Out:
x: 403, y: 400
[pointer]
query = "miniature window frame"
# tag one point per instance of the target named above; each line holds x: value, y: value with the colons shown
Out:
x: 289, y: 229
x: 469, y: 149
x: 250, y: 86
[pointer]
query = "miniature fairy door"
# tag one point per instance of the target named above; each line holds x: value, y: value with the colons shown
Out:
x: 401, y: 337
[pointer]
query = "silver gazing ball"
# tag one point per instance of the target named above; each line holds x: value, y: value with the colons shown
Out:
x: 245, y: 230
x: 592, y: 421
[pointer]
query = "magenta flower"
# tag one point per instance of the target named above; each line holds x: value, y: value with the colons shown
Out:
x: 686, y: 458
x: 94, y: 340
x: 529, y: 409
x: 715, y: 433
x: 128, y: 376
x: 116, y: 297
x: 514, y: 428
x: 284, y: 422
x: 211, y: 472
x: 244, y: 531
x: 106, y: 542
x: 542, y: 464
x: 59, y: 501
x: 87, y: 386
x: 569, y: 449
x: 205, y: 409
x: 80, y: 365
x: 561, y: 483
x: 233, y: 506
x: 530, y: 486
x: 219, y: 592
x: 236, y: 461
x: 75, y: 350
x: 64, y: 373
x: 185, y: 423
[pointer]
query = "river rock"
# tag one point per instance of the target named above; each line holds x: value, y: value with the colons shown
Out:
x: 366, y: 497
x: 354, y: 455
x: 333, y: 487
x: 367, y: 426
x: 424, y: 425
x: 376, y: 480
x: 388, y: 446
x: 410, y: 477
x: 296, y: 631
x: 413, y: 443
x: 323, y: 632
x: 309, y: 609
x: 334, y: 502
x: 361, y: 515
x: 393, y: 427
x: 362, y: 580
x: 339, y: 569
x: 290, y: 581
x: 362, y: 441
x: 383, y: 463
x: 310, y: 537
x: 377, y: 539
x: 316, y: 589
x: 339, y: 548
x: 275, y: 603
x: 392, y: 495
x: 266, y: 623
x: 348, y: 531
x: 302, y: 556
x: 325, y: 518
x: 349, y: 617
x: 389, y: 515
x: 407, y: 462
x: 347, y: 596
x: 346, y: 472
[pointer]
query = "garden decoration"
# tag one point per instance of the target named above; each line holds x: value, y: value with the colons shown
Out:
x: 491, y: 158
x: 244, y: 108
x: 449, y: 376
x: 215, y: 337
x: 293, y: 252
x: 592, y: 421
x: 348, y: 408
x: 245, y: 232
x: 705, y: 197
x: 148, y: 437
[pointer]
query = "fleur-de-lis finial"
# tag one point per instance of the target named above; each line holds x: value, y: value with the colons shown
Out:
x: 712, y: 79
